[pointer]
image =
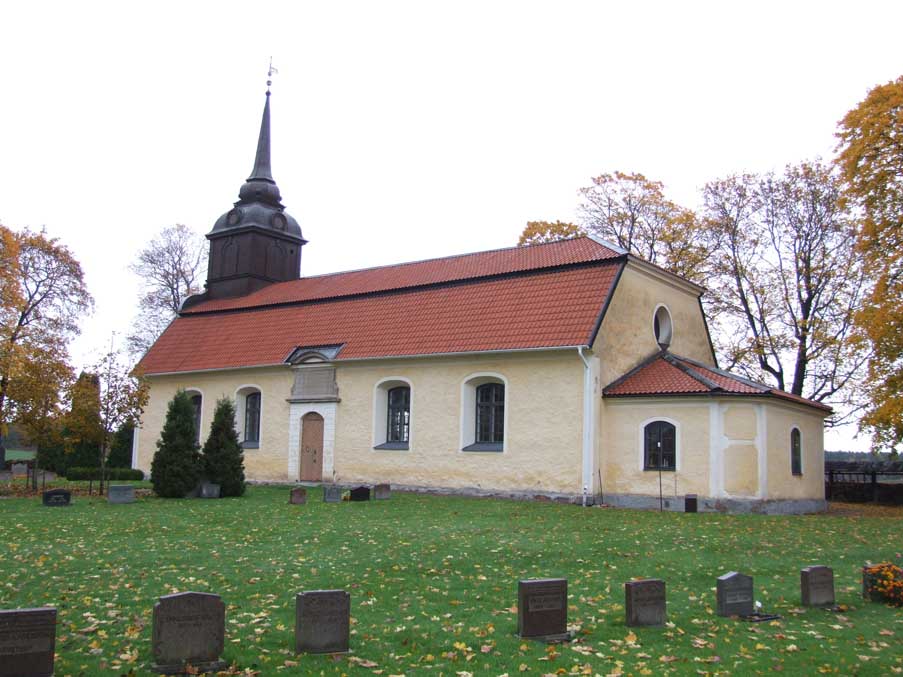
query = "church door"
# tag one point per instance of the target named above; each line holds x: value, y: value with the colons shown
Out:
x: 311, y: 447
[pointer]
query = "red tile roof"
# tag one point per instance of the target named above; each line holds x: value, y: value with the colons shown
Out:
x: 420, y: 273
x: 668, y: 374
x: 545, y: 296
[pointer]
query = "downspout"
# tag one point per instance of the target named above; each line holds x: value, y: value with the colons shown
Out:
x: 588, y: 425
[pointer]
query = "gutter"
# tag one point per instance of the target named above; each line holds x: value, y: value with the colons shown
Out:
x: 588, y: 425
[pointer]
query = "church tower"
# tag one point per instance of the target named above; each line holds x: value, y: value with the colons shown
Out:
x: 256, y: 242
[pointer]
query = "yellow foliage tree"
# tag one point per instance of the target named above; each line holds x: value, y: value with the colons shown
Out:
x: 539, y: 232
x: 871, y: 161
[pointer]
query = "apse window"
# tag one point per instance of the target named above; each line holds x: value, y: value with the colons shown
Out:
x: 660, y: 442
x: 661, y: 326
x: 796, y: 452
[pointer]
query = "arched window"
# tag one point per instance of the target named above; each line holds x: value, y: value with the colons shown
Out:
x: 196, y: 401
x: 796, y: 452
x: 490, y: 413
x: 661, y: 326
x: 398, y: 425
x: 249, y: 403
x: 660, y: 440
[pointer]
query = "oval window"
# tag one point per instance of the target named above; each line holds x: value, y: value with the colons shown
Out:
x: 661, y: 326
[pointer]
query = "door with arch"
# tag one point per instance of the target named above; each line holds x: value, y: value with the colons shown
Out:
x: 311, y: 447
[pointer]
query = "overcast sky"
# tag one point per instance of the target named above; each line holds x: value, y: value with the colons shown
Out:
x: 403, y: 130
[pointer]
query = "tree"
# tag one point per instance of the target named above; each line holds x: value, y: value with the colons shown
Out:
x: 172, y: 267
x: 176, y: 467
x: 82, y: 429
x: 222, y: 454
x: 121, y: 447
x: 871, y: 162
x: 539, y: 232
x: 785, y: 280
x: 42, y: 299
x: 632, y: 212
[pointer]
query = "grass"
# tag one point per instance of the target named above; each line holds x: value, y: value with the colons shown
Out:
x: 433, y: 583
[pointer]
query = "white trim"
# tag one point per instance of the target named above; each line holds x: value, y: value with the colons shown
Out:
x: 716, y: 451
x: 297, y: 410
x: 588, y: 427
x: 467, y: 413
x: 653, y: 271
x: 239, y: 399
x: 380, y: 412
x: 606, y: 243
x: 642, y: 443
x: 207, y: 371
x: 137, y: 430
x: 762, y: 448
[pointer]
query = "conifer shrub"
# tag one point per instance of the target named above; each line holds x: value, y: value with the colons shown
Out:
x: 176, y: 468
x: 224, y: 461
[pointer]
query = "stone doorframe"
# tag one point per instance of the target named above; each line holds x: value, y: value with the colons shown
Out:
x: 296, y: 412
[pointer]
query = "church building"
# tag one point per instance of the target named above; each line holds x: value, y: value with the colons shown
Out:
x: 569, y: 369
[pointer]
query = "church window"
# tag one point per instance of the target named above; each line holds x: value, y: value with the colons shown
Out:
x: 249, y: 404
x: 796, y: 452
x: 483, y: 405
x: 660, y: 440
x: 661, y: 326
x: 398, y: 425
x: 392, y: 398
x: 197, y: 401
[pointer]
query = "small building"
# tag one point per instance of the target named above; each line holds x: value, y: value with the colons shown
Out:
x: 568, y: 369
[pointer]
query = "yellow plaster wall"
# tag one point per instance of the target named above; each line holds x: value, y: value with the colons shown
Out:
x: 270, y: 461
x: 543, y: 443
x: 626, y: 336
x: 741, y: 469
x: 740, y: 422
x: 621, y: 453
x: 781, y: 482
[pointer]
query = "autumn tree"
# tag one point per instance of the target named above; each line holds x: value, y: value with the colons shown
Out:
x: 82, y: 429
x: 172, y: 267
x: 871, y: 162
x: 785, y: 280
x: 539, y: 232
x: 43, y: 297
x: 632, y: 212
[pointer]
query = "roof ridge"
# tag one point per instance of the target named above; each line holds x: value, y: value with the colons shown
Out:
x: 736, y: 377
x: 675, y: 361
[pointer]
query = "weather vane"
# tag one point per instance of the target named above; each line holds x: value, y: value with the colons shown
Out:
x: 270, y: 73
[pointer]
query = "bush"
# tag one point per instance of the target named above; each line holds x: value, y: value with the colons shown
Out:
x: 121, y: 447
x: 883, y: 581
x: 115, y: 474
x: 176, y: 468
x: 223, y: 458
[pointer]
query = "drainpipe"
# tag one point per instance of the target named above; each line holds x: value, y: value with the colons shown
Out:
x: 588, y: 425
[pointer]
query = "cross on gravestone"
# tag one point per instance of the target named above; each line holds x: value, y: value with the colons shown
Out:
x: 735, y: 594
x: 817, y: 586
x: 360, y: 494
x: 644, y: 602
x: 322, y: 621
x: 382, y: 492
x: 332, y: 494
x: 121, y: 493
x: 542, y: 609
x: 189, y: 627
x: 56, y: 498
x: 298, y: 496
x: 27, y: 642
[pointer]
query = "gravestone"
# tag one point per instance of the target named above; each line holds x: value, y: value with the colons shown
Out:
x: 382, y: 492
x: 189, y: 627
x: 817, y: 586
x: 298, y: 496
x: 645, y: 602
x: 209, y: 490
x: 360, y: 494
x: 542, y: 609
x: 735, y: 594
x: 322, y: 621
x: 57, y: 498
x: 332, y: 494
x: 19, y: 469
x: 121, y: 493
x: 27, y: 642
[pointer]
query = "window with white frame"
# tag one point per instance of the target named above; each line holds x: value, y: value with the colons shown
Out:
x: 249, y: 405
x: 484, y: 401
x: 392, y: 414
x: 659, y: 446
x: 197, y: 403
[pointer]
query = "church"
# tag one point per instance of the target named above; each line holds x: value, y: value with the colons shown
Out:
x: 571, y: 369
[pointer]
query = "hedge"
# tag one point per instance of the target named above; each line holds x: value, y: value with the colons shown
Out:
x: 112, y: 474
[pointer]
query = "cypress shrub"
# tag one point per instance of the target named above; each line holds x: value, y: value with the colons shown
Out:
x: 176, y: 468
x: 224, y: 462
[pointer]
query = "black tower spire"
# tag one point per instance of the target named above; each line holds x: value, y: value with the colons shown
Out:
x: 256, y: 242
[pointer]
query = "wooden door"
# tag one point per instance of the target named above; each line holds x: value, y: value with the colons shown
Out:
x: 311, y: 447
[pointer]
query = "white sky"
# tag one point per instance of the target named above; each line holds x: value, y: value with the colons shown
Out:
x: 403, y: 130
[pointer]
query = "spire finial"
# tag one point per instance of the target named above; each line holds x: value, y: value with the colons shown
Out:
x: 270, y: 73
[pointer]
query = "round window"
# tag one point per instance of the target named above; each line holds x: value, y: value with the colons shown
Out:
x: 661, y: 326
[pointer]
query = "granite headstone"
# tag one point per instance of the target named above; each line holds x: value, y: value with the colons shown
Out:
x: 332, y: 494
x: 19, y: 469
x: 189, y: 627
x: 645, y: 602
x: 209, y: 490
x: 121, y: 493
x: 322, y: 621
x: 735, y: 594
x: 27, y: 642
x: 298, y: 496
x: 542, y: 608
x: 56, y: 498
x: 817, y: 586
x: 360, y: 494
x: 382, y: 492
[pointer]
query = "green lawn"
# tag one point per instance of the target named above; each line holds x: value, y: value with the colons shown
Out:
x: 433, y: 583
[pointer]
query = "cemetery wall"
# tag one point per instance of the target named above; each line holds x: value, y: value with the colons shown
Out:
x: 269, y: 461
x: 626, y: 337
x: 543, y: 427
